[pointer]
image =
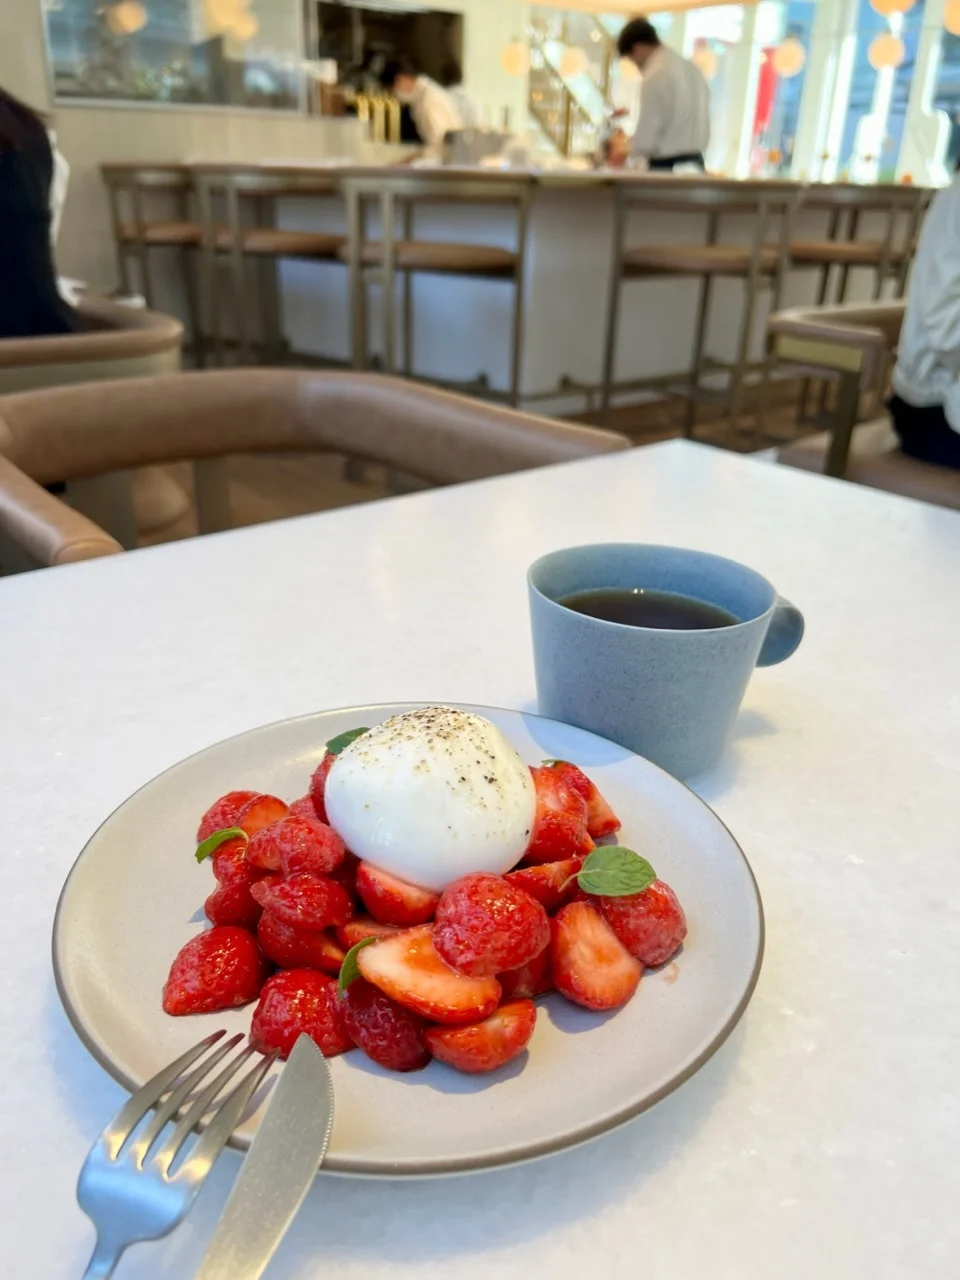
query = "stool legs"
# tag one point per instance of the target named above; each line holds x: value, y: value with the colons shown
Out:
x: 696, y: 365
x: 408, y: 298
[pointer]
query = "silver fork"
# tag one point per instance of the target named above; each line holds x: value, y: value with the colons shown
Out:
x: 126, y: 1187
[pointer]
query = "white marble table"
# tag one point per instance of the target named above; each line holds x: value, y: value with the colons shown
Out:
x: 823, y: 1139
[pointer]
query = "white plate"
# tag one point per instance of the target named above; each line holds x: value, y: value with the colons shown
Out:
x: 135, y: 896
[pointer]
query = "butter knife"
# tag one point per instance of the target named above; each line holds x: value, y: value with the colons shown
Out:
x: 287, y: 1150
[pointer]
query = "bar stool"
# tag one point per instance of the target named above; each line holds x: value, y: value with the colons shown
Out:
x: 888, y: 256
x: 384, y: 259
x: 761, y: 264
x: 135, y: 233
x: 247, y: 233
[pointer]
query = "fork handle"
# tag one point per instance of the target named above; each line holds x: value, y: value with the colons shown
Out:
x: 105, y: 1258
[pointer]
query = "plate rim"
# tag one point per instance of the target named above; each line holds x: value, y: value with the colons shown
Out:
x: 450, y: 1166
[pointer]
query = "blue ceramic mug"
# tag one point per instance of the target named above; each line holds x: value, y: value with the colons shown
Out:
x: 672, y: 696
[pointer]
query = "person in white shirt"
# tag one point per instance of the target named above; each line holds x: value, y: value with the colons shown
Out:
x: 674, y: 127
x: 471, y: 116
x: 434, y: 112
x: 925, y: 405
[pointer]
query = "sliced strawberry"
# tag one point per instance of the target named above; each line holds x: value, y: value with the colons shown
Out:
x: 219, y: 969
x: 303, y: 808
x: 385, y: 1031
x: 529, y: 980
x: 651, y: 925
x: 223, y: 813
x: 550, y: 883
x: 590, y: 964
x: 291, y: 948
x: 393, y: 901
x: 601, y: 820
x: 560, y: 824
x: 408, y: 969
x: 260, y: 812
x: 488, y: 1044
x: 262, y: 851
x: 230, y: 865
x: 360, y: 927
x: 485, y: 925
x: 299, y: 1002
x: 232, y: 904
x: 318, y: 784
x: 306, y: 844
x: 304, y: 901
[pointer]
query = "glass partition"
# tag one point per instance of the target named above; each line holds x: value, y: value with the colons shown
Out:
x: 237, y: 53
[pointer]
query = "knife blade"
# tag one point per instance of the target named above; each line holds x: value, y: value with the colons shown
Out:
x: 287, y: 1150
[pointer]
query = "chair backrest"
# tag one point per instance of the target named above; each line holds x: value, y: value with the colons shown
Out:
x: 106, y: 428
x: 129, y: 183
x: 116, y: 342
x: 854, y: 342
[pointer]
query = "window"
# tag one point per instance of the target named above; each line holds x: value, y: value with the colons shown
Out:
x: 946, y: 95
x: 243, y: 53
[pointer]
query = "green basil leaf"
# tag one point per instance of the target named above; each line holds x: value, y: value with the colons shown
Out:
x: 614, y: 872
x: 343, y: 740
x: 213, y: 843
x: 350, y: 970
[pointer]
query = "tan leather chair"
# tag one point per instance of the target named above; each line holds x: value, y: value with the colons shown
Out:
x: 854, y: 344
x: 116, y: 342
x: 760, y: 263
x: 101, y: 429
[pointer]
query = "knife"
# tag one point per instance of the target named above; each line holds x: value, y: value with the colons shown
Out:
x: 287, y: 1150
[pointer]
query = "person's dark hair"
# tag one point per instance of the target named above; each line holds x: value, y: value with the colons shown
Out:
x: 639, y: 31
x: 20, y: 125
x: 394, y: 68
x: 451, y: 75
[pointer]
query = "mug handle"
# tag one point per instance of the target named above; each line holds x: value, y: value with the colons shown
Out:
x: 783, y: 638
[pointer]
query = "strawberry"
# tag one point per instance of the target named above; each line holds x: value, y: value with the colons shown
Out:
x: 488, y: 1044
x: 560, y: 824
x: 651, y: 925
x: 485, y: 925
x: 393, y: 901
x: 219, y: 969
x: 291, y: 948
x: 304, y: 901
x: 601, y: 820
x: 360, y: 927
x: 307, y: 844
x: 303, y: 808
x: 223, y: 813
x: 549, y: 882
x: 299, y: 1002
x: 385, y: 1031
x: 407, y: 968
x: 346, y: 873
x: 260, y: 812
x: 318, y: 785
x: 589, y: 963
x: 531, y: 979
x: 230, y: 865
x: 261, y: 851
x: 232, y: 904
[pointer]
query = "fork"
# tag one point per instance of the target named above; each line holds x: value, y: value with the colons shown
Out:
x: 126, y: 1186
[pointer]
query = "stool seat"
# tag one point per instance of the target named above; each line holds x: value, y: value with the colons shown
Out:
x: 876, y: 461
x: 443, y: 259
x: 695, y: 260
x: 272, y: 242
x: 180, y: 233
x: 866, y: 253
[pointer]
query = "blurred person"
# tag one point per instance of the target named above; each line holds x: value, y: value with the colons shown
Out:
x: 674, y: 126
x: 925, y: 405
x: 452, y: 81
x: 33, y: 180
x: 433, y: 110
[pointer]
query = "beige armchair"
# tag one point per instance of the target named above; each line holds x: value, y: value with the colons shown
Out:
x: 93, y: 434
x: 854, y: 344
